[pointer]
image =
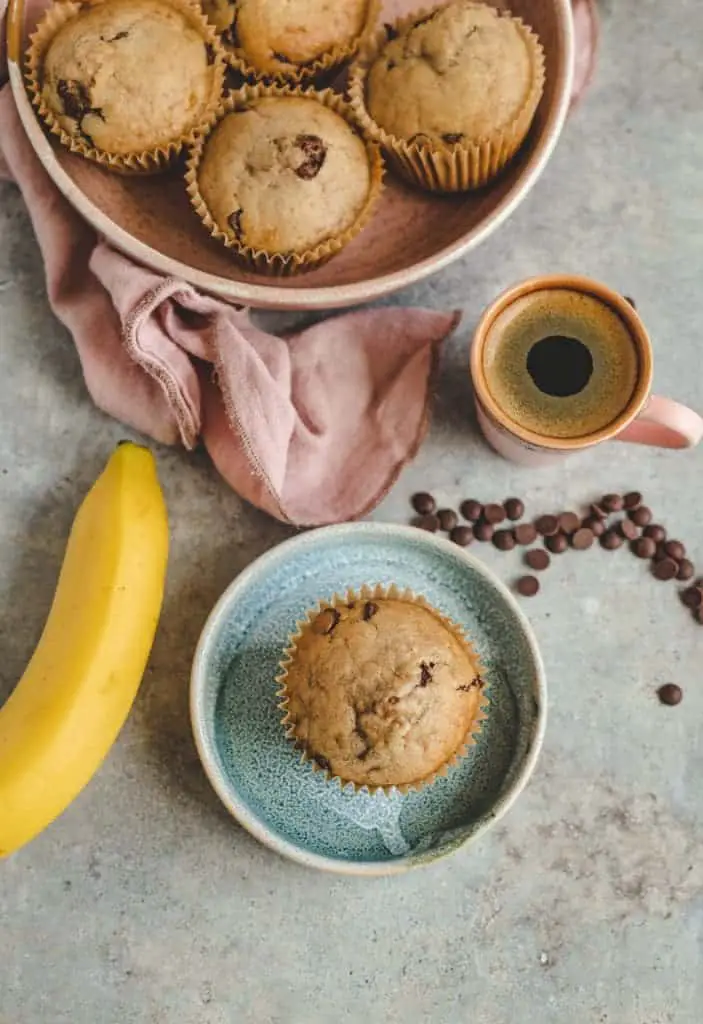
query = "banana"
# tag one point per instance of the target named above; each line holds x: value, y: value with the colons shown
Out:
x: 67, y: 709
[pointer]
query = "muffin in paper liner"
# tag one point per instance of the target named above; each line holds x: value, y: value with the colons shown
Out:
x: 455, y: 167
x: 320, y: 71
x: 148, y: 161
x: 283, y: 264
x: 385, y: 727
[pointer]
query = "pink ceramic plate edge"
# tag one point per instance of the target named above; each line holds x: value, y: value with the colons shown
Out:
x: 268, y: 295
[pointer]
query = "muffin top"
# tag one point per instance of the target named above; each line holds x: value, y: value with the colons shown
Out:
x: 381, y: 692
x: 459, y: 75
x: 283, y: 35
x: 284, y: 174
x: 129, y: 75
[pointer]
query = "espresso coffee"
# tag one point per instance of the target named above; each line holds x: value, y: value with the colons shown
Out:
x: 560, y: 363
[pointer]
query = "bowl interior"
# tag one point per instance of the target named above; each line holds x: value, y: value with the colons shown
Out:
x: 411, y: 233
x: 256, y: 770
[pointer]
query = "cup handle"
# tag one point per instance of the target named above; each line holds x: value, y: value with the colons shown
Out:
x: 664, y: 423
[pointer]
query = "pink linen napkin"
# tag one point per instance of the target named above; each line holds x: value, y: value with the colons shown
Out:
x: 313, y: 428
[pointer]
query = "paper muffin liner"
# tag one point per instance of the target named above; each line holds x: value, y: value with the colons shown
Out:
x: 320, y: 71
x: 150, y: 161
x: 274, y: 263
x: 370, y: 593
x: 458, y: 167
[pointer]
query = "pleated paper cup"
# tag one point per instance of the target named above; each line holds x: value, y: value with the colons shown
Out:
x: 276, y: 263
x: 148, y: 161
x: 451, y: 167
x: 321, y: 620
x: 320, y: 71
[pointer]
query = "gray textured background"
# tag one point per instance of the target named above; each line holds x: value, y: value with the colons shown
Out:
x: 145, y: 904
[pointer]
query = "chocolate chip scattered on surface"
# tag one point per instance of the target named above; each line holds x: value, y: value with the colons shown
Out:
x: 528, y: 586
x: 670, y: 694
x: 423, y: 503
x: 447, y: 519
x: 462, y: 535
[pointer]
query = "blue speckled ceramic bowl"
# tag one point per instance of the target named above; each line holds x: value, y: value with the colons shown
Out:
x: 256, y: 770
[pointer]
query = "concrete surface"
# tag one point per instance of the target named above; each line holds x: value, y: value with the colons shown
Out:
x: 144, y: 904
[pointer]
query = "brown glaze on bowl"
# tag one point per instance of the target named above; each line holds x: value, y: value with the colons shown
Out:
x: 413, y: 234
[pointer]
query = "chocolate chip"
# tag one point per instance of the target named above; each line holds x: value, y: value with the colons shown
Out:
x: 644, y: 547
x: 569, y: 522
x: 547, y: 525
x: 235, y: 222
x: 322, y: 762
x: 642, y: 516
x: 514, y: 508
x: 390, y: 65
x: 595, y: 525
x: 124, y: 35
x: 630, y: 532
x: 633, y: 499
x: 483, y: 531
x: 281, y: 57
x: 494, y: 514
x: 582, y: 540
x: 471, y: 510
x: 656, y: 532
x: 325, y: 622
x: 686, y: 570
x: 369, y: 611
x: 423, y: 503
x: 315, y: 151
x: 670, y: 694
x: 631, y: 301
x: 447, y: 519
x: 75, y: 98
x: 557, y: 543
x: 675, y: 549
x: 538, y: 559
x: 666, y: 569
x: 391, y: 32
x: 611, y: 540
x: 209, y: 50
x: 476, y: 684
x: 429, y: 523
x: 462, y: 535
x: 525, y: 533
x: 452, y: 138
x: 527, y: 586
x: 504, y: 540
x: 692, y: 597
x: 425, y: 674
x: 612, y: 502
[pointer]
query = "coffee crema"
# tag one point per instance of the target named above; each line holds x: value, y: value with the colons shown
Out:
x: 560, y: 363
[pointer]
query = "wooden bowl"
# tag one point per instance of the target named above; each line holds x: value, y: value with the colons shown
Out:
x: 412, y: 234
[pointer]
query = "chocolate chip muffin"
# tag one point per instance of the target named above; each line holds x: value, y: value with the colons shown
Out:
x: 284, y: 173
x: 463, y: 82
x: 381, y: 690
x: 129, y: 76
x: 285, y: 38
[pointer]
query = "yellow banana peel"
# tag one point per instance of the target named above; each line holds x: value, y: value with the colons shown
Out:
x: 66, y: 711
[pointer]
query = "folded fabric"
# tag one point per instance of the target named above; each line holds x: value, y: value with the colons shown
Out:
x: 314, y: 427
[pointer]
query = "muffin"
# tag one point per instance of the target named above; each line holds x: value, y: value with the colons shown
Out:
x: 289, y: 39
x: 381, y: 690
x: 128, y: 82
x: 283, y: 178
x: 451, y: 94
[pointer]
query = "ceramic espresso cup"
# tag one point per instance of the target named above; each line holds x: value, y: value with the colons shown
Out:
x: 561, y: 363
